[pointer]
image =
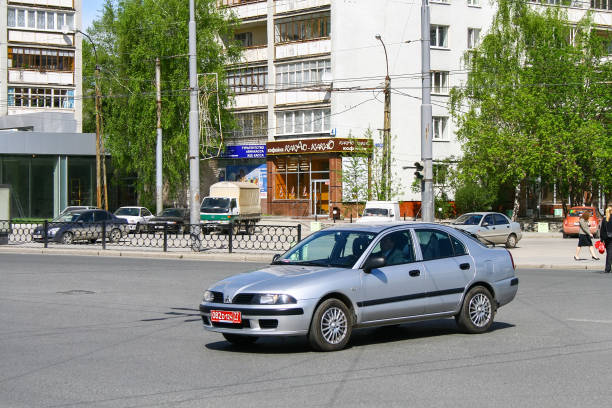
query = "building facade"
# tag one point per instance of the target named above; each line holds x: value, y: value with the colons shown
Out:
x: 43, y: 155
x: 314, y: 69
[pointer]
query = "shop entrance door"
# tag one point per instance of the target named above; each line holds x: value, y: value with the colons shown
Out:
x: 320, y: 197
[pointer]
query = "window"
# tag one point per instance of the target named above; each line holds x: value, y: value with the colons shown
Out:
x: 440, y: 174
x: 250, y: 79
x: 41, y: 98
x: 31, y: 19
x: 303, y: 121
x: 230, y: 3
x: 303, y: 28
x: 11, y: 21
x: 38, y: 19
x: 396, y: 247
x: 302, y: 73
x: 458, y: 247
x: 601, y: 4
x: 292, y: 177
x: 41, y: 59
x: 246, y: 39
x: 439, y: 82
x: 41, y: 20
x: 439, y: 127
x: 500, y: 219
x: 473, y: 38
x: 438, y: 36
x: 434, y: 244
x: 250, y: 125
x: 473, y: 2
x: 488, y: 220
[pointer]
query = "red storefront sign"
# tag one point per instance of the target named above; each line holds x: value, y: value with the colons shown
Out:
x: 327, y: 145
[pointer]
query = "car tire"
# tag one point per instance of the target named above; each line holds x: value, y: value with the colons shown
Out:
x: 239, y: 339
x: 565, y: 235
x: 235, y: 228
x: 477, y: 312
x: 511, y: 241
x: 250, y: 229
x: 138, y: 228
x: 331, y: 326
x: 67, y: 238
x: 92, y: 241
x: 115, y: 235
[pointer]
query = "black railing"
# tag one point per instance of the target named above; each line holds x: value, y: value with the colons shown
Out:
x: 169, y: 237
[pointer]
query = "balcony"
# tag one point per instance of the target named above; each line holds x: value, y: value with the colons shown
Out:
x: 303, y: 48
x: 251, y: 100
x: 38, y: 37
x: 23, y: 76
x: 303, y: 96
x: 246, y: 9
x: 46, y: 3
x: 253, y: 54
x: 287, y: 6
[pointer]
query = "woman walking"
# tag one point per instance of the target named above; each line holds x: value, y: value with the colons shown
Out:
x: 584, y: 236
x: 605, y: 236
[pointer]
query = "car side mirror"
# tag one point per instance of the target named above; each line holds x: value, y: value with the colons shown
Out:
x: 275, y: 257
x: 485, y: 224
x: 374, y: 262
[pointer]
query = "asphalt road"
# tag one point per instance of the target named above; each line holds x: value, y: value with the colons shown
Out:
x: 115, y: 332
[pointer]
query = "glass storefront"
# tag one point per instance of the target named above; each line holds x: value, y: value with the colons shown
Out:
x: 41, y: 186
x: 293, y: 177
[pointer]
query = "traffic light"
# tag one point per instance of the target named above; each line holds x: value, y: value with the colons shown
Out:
x: 418, y: 172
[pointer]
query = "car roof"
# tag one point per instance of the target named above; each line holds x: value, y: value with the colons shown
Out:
x: 130, y: 206
x: 379, y: 227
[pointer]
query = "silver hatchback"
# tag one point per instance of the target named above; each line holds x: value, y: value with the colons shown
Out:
x: 353, y: 276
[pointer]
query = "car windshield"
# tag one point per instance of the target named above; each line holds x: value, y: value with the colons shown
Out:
x: 468, y: 219
x: 66, y: 217
x: 376, y: 212
x: 328, y: 248
x: 127, y: 211
x: 215, y: 205
x: 172, y: 212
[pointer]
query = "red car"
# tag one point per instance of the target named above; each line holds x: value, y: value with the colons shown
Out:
x: 571, y: 224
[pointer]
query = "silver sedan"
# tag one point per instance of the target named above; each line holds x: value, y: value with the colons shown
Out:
x: 490, y: 227
x: 344, y: 278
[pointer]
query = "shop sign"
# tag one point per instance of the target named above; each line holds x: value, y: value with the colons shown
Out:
x: 245, y: 152
x: 309, y: 146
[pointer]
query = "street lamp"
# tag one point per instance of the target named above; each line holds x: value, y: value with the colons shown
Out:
x: 98, y: 127
x: 386, y: 159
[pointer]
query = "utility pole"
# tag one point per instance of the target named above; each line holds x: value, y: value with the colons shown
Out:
x: 158, y: 151
x: 386, y: 159
x: 427, y: 202
x: 194, y: 157
x: 98, y: 126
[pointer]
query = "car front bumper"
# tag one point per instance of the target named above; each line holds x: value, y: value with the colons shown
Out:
x: 262, y: 320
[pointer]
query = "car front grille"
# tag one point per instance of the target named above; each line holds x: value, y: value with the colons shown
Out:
x: 244, y: 324
x: 243, y: 298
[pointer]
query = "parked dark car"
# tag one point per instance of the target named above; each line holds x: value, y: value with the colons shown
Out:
x: 174, y: 219
x: 82, y: 225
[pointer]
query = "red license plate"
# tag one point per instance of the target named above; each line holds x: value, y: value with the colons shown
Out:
x: 221, y: 316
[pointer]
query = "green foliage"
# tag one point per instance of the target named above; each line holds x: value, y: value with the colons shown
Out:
x: 128, y: 36
x: 473, y: 197
x: 536, y: 104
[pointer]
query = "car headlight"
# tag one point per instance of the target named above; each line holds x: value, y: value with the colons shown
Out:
x: 53, y: 231
x: 273, y: 299
x: 209, y: 296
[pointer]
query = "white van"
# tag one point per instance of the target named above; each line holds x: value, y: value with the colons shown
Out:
x: 380, y: 211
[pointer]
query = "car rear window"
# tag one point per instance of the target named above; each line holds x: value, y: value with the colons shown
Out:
x: 577, y: 212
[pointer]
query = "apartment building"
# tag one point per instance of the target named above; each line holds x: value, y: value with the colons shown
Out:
x: 312, y: 76
x: 43, y: 155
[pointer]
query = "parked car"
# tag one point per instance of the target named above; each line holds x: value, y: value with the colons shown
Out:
x: 137, y: 217
x: 380, y: 211
x: 82, y: 225
x: 571, y: 224
x: 363, y: 275
x: 490, y: 227
x: 173, y: 219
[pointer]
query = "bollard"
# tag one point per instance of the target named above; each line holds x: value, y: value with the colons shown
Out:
x: 103, y: 234
x: 351, y: 217
x: 404, y: 216
x: 230, y: 236
x: 165, y: 237
x: 46, y: 233
x: 299, y: 227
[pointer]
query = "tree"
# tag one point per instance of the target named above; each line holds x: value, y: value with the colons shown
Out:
x: 129, y: 36
x: 537, y: 99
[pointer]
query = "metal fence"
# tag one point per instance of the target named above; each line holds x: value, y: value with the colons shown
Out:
x: 108, y: 235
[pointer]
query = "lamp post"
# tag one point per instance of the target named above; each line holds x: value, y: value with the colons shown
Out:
x: 386, y: 159
x: 98, y: 130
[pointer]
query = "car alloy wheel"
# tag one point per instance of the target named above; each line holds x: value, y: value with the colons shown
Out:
x: 331, y: 326
x: 511, y: 241
x: 477, y: 312
x: 67, y: 238
x: 115, y: 235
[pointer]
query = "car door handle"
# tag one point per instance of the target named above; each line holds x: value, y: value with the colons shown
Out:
x: 465, y: 266
x: 414, y: 272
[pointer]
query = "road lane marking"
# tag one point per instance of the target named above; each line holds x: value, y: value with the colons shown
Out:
x: 591, y: 321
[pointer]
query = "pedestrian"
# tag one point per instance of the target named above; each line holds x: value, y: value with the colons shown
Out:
x: 605, y: 236
x: 585, y: 236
